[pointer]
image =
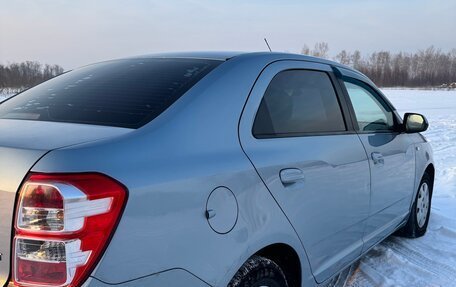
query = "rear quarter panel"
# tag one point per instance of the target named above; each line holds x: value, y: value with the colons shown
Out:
x: 170, y: 167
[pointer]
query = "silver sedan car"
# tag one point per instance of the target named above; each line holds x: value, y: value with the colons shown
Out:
x: 205, y: 169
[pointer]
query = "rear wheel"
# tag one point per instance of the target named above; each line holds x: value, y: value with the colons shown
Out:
x: 419, y: 216
x: 259, y: 272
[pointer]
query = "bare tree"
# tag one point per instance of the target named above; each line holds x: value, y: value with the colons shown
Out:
x: 426, y: 68
x: 356, y: 59
x: 20, y: 76
x: 321, y: 50
x: 344, y: 57
x: 305, y: 50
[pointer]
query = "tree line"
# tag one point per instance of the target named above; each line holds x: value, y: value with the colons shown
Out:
x: 431, y: 67
x: 19, y: 76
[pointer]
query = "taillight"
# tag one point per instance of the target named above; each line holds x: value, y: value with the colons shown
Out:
x: 63, y: 223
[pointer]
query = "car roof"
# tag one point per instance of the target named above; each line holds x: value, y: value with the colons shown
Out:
x: 265, y: 56
x: 210, y: 55
x: 226, y: 55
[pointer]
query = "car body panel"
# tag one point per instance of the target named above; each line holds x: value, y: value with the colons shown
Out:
x: 169, y: 278
x: 392, y: 183
x: 178, y: 159
x: 424, y: 158
x: 328, y: 215
x: 393, y: 179
x: 14, y: 166
x: 171, y: 165
x: 25, y: 142
x: 34, y: 135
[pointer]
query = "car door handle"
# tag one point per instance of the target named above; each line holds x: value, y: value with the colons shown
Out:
x: 291, y: 175
x: 377, y: 158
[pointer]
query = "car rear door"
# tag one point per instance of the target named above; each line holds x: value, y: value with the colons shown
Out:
x: 294, y: 131
x: 391, y: 156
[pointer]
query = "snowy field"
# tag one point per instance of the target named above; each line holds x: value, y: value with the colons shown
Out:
x: 4, y: 96
x: 430, y: 260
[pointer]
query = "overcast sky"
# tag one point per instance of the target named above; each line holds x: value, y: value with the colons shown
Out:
x: 75, y: 33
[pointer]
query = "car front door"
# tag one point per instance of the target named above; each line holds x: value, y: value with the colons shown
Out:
x: 391, y: 156
x: 294, y: 131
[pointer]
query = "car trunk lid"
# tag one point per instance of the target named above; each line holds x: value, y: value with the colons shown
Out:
x: 14, y: 165
x: 22, y: 144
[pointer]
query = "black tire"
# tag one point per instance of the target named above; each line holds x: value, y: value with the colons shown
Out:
x: 259, y: 271
x: 412, y: 229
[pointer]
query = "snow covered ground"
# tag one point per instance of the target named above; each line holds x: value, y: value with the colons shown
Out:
x: 430, y: 260
x: 4, y: 96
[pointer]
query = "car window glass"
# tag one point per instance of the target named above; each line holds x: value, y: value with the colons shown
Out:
x: 124, y: 93
x: 297, y: 102
x: 371, y: 114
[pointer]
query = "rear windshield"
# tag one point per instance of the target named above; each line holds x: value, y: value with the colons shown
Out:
x: 124, y: 93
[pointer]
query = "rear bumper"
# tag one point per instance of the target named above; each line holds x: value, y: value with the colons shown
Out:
x: 170, y: 278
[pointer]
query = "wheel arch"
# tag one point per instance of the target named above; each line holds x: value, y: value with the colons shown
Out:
x: 424, y: 163
x: 409, y: 227
x: 430, y: 170
x: 287, y: 258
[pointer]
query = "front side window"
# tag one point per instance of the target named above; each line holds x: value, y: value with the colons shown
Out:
x: 123, y: 93
x: 371, y: 113
x: 298, y: 102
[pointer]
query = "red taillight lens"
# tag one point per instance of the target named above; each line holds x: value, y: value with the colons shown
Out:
x: 42, y: 196
x: 41, y: 262
x: 63, y: 223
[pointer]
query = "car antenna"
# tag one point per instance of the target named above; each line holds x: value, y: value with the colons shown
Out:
x: 269, y: 47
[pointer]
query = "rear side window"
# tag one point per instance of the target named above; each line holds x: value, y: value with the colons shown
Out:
x: 298, y: 102
x: 124, y: 93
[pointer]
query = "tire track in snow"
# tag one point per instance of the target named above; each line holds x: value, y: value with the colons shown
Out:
x: 357, y: 277
x: 414, y: 256
x: 388, y: 264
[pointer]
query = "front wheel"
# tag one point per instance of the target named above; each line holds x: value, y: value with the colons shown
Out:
x: 419, y: 215
x: 259, y: 272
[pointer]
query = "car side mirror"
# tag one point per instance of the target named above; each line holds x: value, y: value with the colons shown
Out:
x: 415, y: 123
